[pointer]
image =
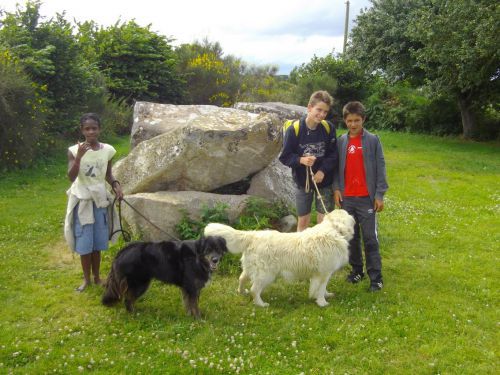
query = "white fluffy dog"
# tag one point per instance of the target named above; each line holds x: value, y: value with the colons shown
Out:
x: 314, y: 254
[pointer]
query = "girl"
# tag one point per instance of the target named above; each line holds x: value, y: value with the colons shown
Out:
x: 89, y: 203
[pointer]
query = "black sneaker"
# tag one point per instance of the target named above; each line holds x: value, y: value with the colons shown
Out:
x: 354, y: 277
x: 376, y: 286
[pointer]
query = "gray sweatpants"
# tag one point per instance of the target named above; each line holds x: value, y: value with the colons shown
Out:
x: 361, y: 208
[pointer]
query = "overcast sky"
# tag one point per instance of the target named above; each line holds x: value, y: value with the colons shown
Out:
x: 286, y: 33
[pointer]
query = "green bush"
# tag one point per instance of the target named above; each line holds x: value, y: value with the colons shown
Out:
x: 342, y: 78
x: 309, y: 83
x: 137, y: 63
x: 261, y: 214
x: 488, y: 122
x: 258, y: 214
x: 49, y: 54
x: 22, y: 114
x: 189, y: 228
x: 401, y: 107
x: 116, y: 115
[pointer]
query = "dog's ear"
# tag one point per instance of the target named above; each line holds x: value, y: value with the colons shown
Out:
x: 201, y: 245
x: 221, y: 242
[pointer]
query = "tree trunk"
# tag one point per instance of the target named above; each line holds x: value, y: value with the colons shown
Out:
x: 468, y: 119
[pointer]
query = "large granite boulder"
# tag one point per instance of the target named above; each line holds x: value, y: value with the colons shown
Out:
x: 152, y: 119
x: 197, y: 148
x: 274, y: 182
x: 165, y: 210
x: 284, y: 111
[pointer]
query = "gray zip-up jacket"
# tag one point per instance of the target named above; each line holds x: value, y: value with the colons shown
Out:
x: 373, y: 160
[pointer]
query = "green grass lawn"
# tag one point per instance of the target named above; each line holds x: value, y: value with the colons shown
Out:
x: 437, y: 314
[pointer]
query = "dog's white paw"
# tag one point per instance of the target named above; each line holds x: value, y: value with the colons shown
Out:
x: 262, y: 304
x: 322, y: 302
x: 243, y: 291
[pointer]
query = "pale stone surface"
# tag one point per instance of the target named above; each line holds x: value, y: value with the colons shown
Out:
x: 200, y: 148
x: 153, y: 119
x: 274, y: 182
x: 164, y: 209
x: 283, y: 110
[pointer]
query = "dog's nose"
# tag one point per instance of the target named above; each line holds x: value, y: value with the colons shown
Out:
x: 215, y: 260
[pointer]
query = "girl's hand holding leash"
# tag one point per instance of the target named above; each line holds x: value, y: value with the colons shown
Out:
x: 117, y: 188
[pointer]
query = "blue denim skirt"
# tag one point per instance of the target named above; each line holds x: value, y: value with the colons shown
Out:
x: 91, y: 237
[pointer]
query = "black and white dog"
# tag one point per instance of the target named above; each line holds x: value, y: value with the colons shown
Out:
x: 186, y: 264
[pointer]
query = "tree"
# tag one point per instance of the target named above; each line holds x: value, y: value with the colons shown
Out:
x: 400, y: 106
x: 460, y: 52
x: 137, y: 63
x: 22, y: 114
x: 260, y: 84
x: 379, y: 41
x: 450, y: 46
x: 344, y: 79
x: 210, y: 77
x: 48, y: 52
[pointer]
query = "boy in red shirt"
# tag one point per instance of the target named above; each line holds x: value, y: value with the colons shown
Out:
x: 360, y: 185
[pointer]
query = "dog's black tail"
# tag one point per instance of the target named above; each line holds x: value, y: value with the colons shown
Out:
x: 116, y: 286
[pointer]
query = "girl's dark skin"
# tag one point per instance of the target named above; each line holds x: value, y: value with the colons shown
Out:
x: 90, y: 130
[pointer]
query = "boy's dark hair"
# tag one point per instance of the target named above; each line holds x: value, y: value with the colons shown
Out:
x: 354, y: 108
x: 320, y: 96
x: 90, y: 116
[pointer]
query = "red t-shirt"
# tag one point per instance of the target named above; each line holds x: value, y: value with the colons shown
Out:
x: 354, y: 173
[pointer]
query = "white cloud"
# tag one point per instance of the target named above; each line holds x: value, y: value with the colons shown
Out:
x: 284, y: 33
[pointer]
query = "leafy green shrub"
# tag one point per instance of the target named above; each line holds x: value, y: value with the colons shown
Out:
x: 49, y: 54
x: 342, y: 78
x: 138, y: 64
x: 258, y: 214
x: 402, y: 107
x: 216, y: 214
x: 309, y: 83
x: 261, y: 214
x: 211, y: 78
x: 488, y: 122
x: 22, y: 114
x: 115, y: 114
x: 262, y: 84
x: 189, y: 228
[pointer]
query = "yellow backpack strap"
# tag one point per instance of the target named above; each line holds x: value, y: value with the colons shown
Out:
x: 296, y: 126
x: 286, y: 125
x: 326, y: 125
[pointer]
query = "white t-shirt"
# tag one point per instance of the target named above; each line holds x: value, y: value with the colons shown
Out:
x: 91, y: 180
